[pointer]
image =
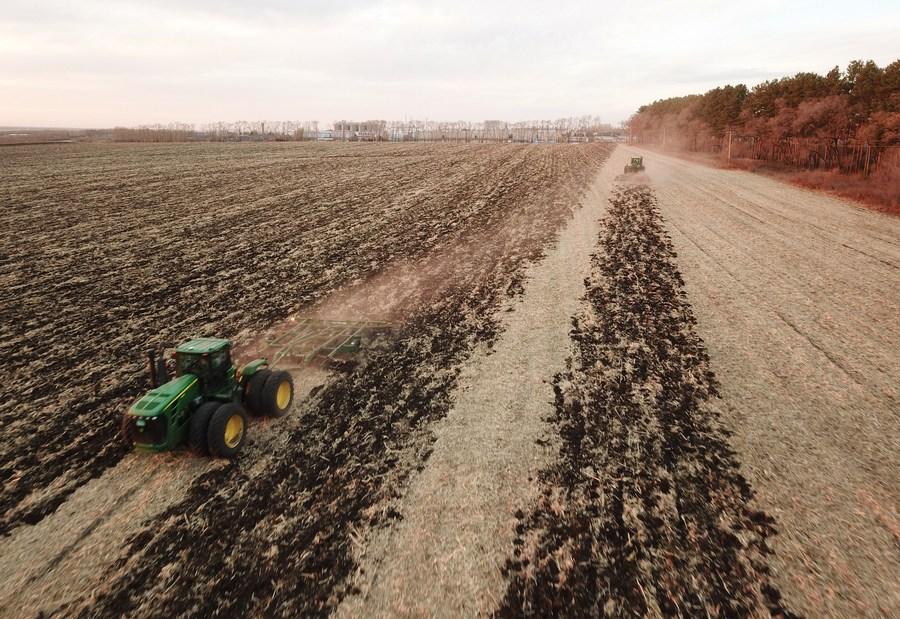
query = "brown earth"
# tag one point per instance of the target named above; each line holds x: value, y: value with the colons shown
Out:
x: 797, y: 297
x: 123, y: 247
x: 447, y: 232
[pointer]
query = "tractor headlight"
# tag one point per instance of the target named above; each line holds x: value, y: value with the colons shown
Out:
x: 148, y: 430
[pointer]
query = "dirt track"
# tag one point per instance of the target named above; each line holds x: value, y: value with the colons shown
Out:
x: 797, y: 296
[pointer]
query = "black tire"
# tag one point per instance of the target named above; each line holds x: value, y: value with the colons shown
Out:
x: 278, y: 394
x: 254, y: 390
x: 227, y: 431
x: 124, y: 431
x: 199, y: 426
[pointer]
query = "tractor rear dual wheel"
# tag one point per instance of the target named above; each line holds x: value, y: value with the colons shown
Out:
x: 278, y: 394
x: 270, y: 392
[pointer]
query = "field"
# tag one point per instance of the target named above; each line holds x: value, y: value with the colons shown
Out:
x: 106, y: 272
x: 667, y: 394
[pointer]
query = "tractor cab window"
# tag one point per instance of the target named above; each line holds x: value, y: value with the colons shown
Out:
x: 219, y: 363
x: 192, y: 364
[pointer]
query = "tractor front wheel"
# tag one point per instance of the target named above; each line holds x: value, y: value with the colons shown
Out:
x: 278, y: 394
x: 227, y: 430
x: 125, y: 431
x: 200, y: 426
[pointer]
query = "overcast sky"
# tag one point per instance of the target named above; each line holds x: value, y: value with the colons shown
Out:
x: 89, y: 63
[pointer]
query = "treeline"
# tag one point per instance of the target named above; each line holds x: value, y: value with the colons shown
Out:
x: 839, y: 131
x: 573, y: 129
x: 859, y: 103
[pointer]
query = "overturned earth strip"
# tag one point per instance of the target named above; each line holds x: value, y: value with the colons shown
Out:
x: 124, y: 247
x: 645, y: 511
x: 276, y: 538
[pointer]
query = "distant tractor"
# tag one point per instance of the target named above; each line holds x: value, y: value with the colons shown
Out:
x: 636, y: 165
x: 206, y: 403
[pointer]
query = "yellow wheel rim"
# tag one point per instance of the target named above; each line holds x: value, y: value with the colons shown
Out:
x: 234, y: 430
x: 283, y: 397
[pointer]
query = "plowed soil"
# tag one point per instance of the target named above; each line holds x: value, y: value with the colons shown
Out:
x: 225, y: 240
x: 120, y: 248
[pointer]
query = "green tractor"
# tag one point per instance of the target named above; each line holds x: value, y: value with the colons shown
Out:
x: 206, y: 402
x: 636, y: 165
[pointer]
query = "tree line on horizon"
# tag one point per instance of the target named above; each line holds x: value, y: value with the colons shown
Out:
x: 579, y: 128
x: 860, y: 103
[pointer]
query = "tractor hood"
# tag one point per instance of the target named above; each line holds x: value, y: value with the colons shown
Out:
x: 156, y: 400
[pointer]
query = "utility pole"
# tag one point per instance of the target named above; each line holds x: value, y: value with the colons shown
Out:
x: 729, y: 144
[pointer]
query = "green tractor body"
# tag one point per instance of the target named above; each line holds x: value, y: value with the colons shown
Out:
x: 206, y: 402
x: 636, y: 165
x: 158, y: 420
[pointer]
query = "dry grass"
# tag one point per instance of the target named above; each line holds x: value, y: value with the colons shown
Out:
x: 795, y: 295
x: 880, y: 191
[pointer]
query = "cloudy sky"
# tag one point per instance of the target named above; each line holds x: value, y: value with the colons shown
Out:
x: 90, y: 63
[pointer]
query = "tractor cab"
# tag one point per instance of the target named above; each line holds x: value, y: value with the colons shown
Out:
x: 208, y: 359
x: 635, y: 165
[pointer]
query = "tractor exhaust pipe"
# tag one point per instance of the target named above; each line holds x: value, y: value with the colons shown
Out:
x: 157, y: 366
x: 162, y: 374
x: 151, y: 366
